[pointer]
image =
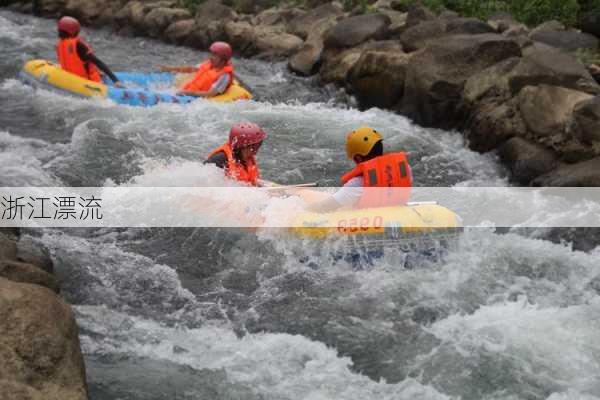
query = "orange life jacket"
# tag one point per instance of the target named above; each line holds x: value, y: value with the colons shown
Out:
x: 237, y: 170
x: 66, y: 52
x: 206, y: 76
x: 391, y: 171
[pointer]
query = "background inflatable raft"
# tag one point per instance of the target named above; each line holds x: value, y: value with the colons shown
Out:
x: 46, y: 74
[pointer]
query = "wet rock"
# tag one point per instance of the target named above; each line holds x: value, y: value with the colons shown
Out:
x: 417, y: 37
x: 202, y: 38
x: 590, y: 22
x: 48, y: 8
x: 492, y: 122
x: 276, y: 16
x: 448, y: 14
x: 377, y: 78
x: 336, y: 65
x: 213, y: 11
x: 304, y: 25
x: 586, y: 173
x: 543, y: 64
x: 436, y: 76
x: 566, y: 40
x: 397, y: 21
x: 86, y: 12
x: 179, y: 31
x: 32, y: 252
x: 417, y: 14
x: 492, y: 81
x: 553, y: 26
x: 159, y: 19
x: 264, y: 40
x: 308, y: 58
x: 527, y: 160
x: 471, y: 26
x: 356, y: 30
x: 27, y: 273
x: 586, y: 121
x: 547, y: 109
x: 40, y: 357
x: 8, y: 247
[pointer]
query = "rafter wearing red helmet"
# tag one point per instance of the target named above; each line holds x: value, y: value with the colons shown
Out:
x: 237, y: 156
x: 212, y: 78
x: 76, y: 56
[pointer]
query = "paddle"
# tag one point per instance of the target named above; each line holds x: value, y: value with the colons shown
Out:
x: 242, y: 83
x: 298, y: 185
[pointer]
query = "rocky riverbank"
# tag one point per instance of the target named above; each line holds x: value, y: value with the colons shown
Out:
x: 40, y: 354
x: 529, y: 93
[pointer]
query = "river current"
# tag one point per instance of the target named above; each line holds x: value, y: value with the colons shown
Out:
x: 227, y: 314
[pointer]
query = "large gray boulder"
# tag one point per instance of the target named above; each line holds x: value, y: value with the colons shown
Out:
x: 159, y: 19
x: 436, y: 75
x: 178, y: 32
x: 566, y: 40
x: 353, y: 31
x: 377, y: 78
x: 265, y: 40
x: 586, y: 173
x: 586, y: 122
x: 547, y: 109
x: 527, y: 160
x: 543, y: 64
x: 304, y: 25
x: 418, y: 36
x: 40, y: 356
x: 307, y: 60
x: 213, y: 11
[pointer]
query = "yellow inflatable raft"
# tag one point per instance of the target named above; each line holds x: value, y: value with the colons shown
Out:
x: 44, y: 73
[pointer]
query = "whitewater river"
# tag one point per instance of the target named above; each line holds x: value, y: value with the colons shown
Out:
x: 225, y: 314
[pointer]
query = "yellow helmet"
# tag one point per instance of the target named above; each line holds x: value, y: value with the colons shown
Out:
x: 361, y: 141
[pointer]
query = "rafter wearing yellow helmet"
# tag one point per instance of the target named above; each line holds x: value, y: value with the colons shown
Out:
x: 373, y: 169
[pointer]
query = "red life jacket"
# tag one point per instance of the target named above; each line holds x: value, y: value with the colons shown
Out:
x: 66, y: 52
x: 237, y: 170
x: 391, y: 171
x: 206, y: 76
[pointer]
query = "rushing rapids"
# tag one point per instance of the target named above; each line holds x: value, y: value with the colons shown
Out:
x: 223, y: 313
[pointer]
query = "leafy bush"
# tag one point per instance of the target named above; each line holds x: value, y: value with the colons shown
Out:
x: 530, y: 12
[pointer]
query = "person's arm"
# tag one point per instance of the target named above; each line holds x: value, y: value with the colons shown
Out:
x: 86, y: 55
x: 346, y: 196
x: 183, y: 69
x: 218, y: 159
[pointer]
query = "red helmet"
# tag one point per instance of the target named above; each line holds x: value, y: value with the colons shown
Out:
x: 221, y: 49
x: 245, y: 134
x: 69, y: 25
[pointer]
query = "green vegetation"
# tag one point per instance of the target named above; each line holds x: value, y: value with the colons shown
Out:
x: 529, y: 12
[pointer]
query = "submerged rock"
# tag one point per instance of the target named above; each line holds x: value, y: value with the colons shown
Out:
x: 527, y: 160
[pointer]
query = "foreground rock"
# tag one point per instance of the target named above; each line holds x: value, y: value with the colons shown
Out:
x: 40, y: 356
